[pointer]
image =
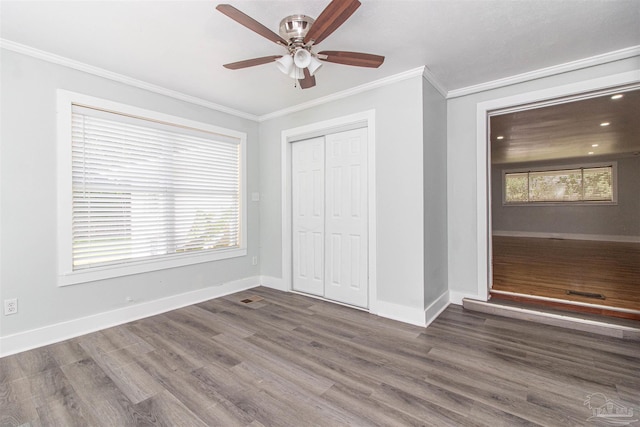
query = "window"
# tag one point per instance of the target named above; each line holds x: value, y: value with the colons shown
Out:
x: 589, y: 184
x: 141, y: 191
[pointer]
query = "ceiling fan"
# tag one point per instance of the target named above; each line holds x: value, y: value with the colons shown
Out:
x: 299, y: 34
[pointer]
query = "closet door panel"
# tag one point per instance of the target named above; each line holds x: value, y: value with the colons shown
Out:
x: 308, y: 218
x: 346, y: 227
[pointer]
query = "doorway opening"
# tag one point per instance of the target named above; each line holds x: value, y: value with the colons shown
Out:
x: 564, y: 203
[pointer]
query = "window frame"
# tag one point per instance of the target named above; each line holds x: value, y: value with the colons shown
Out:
x: 560, y: 168
x: 66, y: 274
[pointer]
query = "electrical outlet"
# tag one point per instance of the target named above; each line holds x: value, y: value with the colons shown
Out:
x: 10, y: 306
x: 254, y: 260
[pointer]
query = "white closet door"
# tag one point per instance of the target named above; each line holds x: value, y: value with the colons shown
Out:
x: 346, y: 218
x: 308, y: 203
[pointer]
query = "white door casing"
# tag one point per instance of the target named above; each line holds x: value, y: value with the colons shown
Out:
x: 483, y: 158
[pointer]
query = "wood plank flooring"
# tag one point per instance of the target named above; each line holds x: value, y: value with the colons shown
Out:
x: 289, y: 360
x: 551, y: 267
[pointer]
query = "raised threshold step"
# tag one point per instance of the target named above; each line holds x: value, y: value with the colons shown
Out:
x: 578, y: 306
x: 613, y: 327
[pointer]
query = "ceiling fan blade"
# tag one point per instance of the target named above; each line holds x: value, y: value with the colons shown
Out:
x: 334, y: 15
x: 250, y: 23
x: 352, y: 58
x: 308, y: 81
x: 251, y: 62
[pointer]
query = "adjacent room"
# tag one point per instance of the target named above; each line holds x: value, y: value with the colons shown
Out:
x: 565, y: 202
x: 322, y: 212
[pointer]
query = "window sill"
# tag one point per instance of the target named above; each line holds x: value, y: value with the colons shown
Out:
x: 113, y: 271
x: 561, y: 204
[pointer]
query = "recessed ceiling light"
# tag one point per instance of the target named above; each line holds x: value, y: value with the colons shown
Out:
x: 594, y: 145
x: 500, y: 137
x: 605, y: 124
x: 590, y: 152
x: 617, y: 96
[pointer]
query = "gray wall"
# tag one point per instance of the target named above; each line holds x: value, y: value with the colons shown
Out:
x: 462, y: 160
x: 28, y: 199
x: 409, y: 228
x: 622, y: 219
x: 399, y: 180
x: 434, y: 121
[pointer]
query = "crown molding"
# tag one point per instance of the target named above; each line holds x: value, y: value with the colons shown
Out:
x: 604, y: 58
x: 424, y: 71
x: 101, y: 72
x: 428, y: 75
x: 345, y: 93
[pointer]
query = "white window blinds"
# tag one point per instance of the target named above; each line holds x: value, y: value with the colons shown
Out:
x: 146, y: 190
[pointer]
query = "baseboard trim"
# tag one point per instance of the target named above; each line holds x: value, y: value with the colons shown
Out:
x: 567, y: 236
x: 273, y: 283
x: 401, y: 313
x: 51, y: 334
x: 435, y: 308
x: 457, y: 297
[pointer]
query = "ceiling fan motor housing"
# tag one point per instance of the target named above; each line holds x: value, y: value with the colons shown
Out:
x: 294, y: 28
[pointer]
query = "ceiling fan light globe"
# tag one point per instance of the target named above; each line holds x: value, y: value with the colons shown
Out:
x: 314, y: 65
x: 302, y: 58
x: 285, y: 64
x: 296, y: 73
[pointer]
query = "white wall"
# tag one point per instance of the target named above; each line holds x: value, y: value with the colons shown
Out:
x: 399, y: 180
x: 621, y: 219
x: 28, y: 201
x: 462, y: 170
x: 434, y: 121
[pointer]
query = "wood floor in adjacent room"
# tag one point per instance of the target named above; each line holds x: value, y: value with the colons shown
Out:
x: 551, y: 267
x: 288, y: 360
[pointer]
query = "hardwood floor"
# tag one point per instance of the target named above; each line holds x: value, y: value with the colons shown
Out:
x: 289, y: 360
x: 551, y: 267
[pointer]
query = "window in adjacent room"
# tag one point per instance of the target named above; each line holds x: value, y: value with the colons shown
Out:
x: 141, y: 191
x: 575, y: 184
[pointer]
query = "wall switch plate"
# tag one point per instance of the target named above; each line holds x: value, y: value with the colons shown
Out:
x: 255, y: 197
x: 254, y: 260
x: 10, y: 306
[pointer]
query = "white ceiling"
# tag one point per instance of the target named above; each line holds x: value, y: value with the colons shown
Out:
x: 181, y: 45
